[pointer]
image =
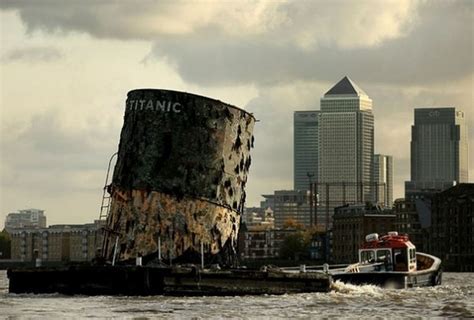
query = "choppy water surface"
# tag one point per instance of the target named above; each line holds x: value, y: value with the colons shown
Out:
x: 455, y: 298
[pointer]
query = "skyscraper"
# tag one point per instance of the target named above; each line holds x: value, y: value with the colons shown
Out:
x: 383, y: 179
x: 305, y: 153
x: 346, y: 148
x: 439, y: 151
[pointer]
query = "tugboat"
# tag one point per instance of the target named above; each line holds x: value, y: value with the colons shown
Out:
x: 391, y: 261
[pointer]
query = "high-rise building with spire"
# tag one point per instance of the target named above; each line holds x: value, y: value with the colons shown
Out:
x: 346, y: 148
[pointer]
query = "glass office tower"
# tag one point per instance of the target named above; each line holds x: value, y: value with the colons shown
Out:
x: 439, y: 151
x: 306, y: 146
x: 383, y: 178
x: 346, y: 149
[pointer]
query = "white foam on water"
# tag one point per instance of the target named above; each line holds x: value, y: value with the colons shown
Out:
x: 352, y: 289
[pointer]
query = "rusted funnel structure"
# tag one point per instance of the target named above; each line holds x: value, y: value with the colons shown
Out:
x: 180, y: 176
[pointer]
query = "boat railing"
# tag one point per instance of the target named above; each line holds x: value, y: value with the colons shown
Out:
x: 335, y: 268
x: 317, y: 267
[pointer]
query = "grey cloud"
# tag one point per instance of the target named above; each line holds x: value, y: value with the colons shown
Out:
x: 299, y: 20
x: 33, y: 54
x: 46, y: 135
x: 101, y: 19
x: 57, y: 16
x: 272, y: 157
x: 47, y: 157
x: 433, y: 41
x: 439, y: 49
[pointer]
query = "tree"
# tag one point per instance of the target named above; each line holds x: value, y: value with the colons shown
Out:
x: 298, y: 244
x: 291, y: 223
x: 294, y: 246
x: 5, y: 245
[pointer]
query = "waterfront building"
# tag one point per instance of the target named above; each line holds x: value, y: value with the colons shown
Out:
x: 27, y: 218
x: 264, y: 243
x: 413, y: 220
x: 246, y: 215
x: 452, y: 227
x: 290, y: 205
x: 258, y: 218
x: 306, y: 148
x: 439, y: 151
x: 350, y: 226
x: 346, y: 148
x: 56, y: 243
x: 320, y: 247
x: 383, y: 180
x: 268, y: 201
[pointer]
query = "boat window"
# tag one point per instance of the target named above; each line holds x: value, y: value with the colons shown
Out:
x: 412, y: 256
x: 383, y: 255
x: 400, y: 259
x: 367, y: 256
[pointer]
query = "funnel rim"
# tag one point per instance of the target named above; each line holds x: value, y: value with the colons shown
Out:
x: 192, y: 94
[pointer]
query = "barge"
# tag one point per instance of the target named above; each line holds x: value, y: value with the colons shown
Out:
x: 162, y: 280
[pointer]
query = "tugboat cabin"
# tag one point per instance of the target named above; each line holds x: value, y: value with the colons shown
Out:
x: 391, y: 261
x: 391, y: 252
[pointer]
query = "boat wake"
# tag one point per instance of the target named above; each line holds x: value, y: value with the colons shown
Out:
x: 347, y: 288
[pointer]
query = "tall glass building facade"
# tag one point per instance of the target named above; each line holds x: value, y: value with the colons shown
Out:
x: 306, y: 146
x: 383, y: 178
x: 439, y: 151
x: 346, y: 149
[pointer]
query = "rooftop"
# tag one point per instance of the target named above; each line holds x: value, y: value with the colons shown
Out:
x: 461, y: 189
x: 345, y: 87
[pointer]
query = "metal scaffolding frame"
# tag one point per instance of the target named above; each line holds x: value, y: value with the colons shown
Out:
x: 314, y: 195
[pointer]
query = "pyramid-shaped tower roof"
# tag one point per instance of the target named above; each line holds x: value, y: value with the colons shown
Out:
x: 345, y: 87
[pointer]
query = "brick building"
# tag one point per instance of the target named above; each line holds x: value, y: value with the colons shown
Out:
x: 452, y: 227
x: 350, y: 226
x: 263, y: 243
x: 56, y: 243
x: 408, y: 221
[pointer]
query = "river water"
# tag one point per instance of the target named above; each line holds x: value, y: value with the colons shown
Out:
x: 454, y: 298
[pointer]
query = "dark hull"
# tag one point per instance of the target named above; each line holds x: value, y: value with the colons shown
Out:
x: 143, y: 281
x: 397, y: 280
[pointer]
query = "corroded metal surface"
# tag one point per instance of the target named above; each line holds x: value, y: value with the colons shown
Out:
x: 180, y: 175
x: 143, y: 217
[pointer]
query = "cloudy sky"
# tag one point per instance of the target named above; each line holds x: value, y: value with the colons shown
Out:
x: 66, y: 66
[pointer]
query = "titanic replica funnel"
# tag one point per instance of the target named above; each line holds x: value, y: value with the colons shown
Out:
x: 179, y: 182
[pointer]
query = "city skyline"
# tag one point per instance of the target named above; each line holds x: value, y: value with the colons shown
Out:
x: 63, y: 81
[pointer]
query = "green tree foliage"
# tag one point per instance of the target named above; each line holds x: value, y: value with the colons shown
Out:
x: 5, y: 245
x: 295, y: 246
